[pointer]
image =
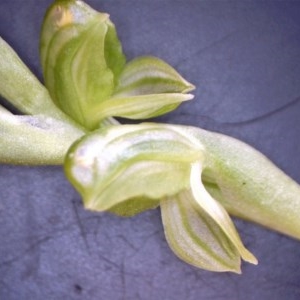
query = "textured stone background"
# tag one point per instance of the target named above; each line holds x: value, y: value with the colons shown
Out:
x: 244, y: 59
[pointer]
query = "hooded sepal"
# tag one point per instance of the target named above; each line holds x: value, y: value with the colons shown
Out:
x: 129, y: 162
x: 81, y: 58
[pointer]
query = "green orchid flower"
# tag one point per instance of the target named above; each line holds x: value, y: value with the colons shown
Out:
x: 87, y: 76
x: 197, y: 177
x: 126, y: 169
x: 151, y: 164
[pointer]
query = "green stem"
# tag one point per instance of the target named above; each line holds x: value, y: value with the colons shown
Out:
x: 34, y: 140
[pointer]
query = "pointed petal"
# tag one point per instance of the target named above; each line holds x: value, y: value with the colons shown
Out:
x: 249, y: 185
x: 195, y: 237
x: 217, y: 212
x: 148, y: 87
x: 141, y: 107
x: 150, y: 75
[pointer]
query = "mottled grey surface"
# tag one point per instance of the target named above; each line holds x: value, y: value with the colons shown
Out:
x: 244, y: 59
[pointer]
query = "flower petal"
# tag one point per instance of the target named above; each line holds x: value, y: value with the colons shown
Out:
x: 150, y: 75
x: 148, y: 87
x: 81, y: 58
x: 248, y: 184
x: 195, y: 237
x: 140, y: 107
x: 217, y: 212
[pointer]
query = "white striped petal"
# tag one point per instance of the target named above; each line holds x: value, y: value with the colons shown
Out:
x: 195, y: 237
x: 217, y: 212
x: 150, y: 75
x: 140, y: 107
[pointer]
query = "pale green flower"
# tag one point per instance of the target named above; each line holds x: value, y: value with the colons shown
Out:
x: 195, y: 176
x: 151, y: 164
x: 86, y: 73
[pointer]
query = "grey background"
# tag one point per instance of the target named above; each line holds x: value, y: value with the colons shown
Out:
x: 243, y: 56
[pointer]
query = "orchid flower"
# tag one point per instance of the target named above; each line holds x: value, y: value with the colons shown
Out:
x: 197, y: 177
x: 129, y: 168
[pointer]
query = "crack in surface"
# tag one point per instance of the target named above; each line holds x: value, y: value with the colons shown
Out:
x: 265, y: 115
x: 81, y: 227
x: 210, y: 46
x: 30, y: 248
x: 48, y: 236
x: 260, y: 118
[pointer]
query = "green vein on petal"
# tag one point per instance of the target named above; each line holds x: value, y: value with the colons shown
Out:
x: 81, y: 58
x: 217, y: 212
x: 60, y: 15
x: 248, y: 184
x: 106, y: 166
x: 80, y: 83
x: 195, y: 237
x: 150, y: 75
x: 140, y: 107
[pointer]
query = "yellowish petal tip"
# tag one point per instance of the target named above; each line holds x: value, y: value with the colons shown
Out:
x: 63, y: 16
x: 250, y: 258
